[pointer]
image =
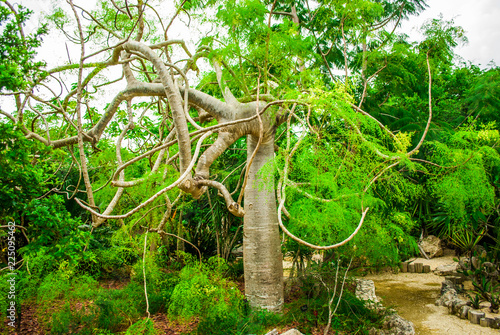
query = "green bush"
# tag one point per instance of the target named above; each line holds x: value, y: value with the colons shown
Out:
x: 53, y: 230
x: 202, y: 290
x: 62, y: 320
x: 142, y: 327
x: 257, y: 322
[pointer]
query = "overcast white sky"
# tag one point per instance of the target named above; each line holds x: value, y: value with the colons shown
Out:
x: 479, y: 18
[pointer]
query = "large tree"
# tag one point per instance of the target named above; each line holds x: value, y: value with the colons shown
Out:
x: 269, y: 66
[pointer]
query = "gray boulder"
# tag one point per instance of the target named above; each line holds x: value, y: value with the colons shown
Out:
x: 395, y: 325
x: 447, y: 298
x: 432, y: 246
x: 365, y: 291
x: 292, y: 332
x: 447, y: 269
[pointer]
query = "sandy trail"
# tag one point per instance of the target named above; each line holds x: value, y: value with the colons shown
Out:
x: 413, y: 296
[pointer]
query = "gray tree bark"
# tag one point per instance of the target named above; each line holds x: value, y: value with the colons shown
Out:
x: 262, y: 258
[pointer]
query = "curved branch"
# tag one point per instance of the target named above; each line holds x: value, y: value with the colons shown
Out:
x: 232, y: 206
x: 162, y: 232
x: 288, y: 182
x: 151, y: 199
x: 357, y: 108
x: 379, y: 175
x: 111, y: 206
x: 318, y: 247
x: 12, y: 118
x: 283, y: 199
x: 174, y: 100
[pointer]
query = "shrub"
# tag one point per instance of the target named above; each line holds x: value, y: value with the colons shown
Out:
x: 142, y: 327
x: 202, y: 290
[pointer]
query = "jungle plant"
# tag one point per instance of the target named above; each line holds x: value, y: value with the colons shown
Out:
x: 494, y: 302
x: 466, y: 238
x: 475, y: 300
x: 484, y: 274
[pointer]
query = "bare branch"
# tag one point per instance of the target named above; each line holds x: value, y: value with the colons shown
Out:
x: 155, y: 196
x: 235, y: 208
x: 430, y: 109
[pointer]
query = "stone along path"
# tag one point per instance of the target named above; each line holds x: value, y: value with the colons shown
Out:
x: 413, y: 296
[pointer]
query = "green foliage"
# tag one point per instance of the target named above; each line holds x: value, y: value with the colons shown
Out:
x: 160, y: 285
x: 61, y: 320
x: 311, y: 294
x: 203, y: 291
x: 482, y: 269
x: 384, y: 241
x: 142, y: 327
x: 440, y: 39
x: 465, y: 192
x: 108, y: 256
x: 483, y: 95
x: 328, y: 185
x: 456, y: 195
x: 256, y: 322
x: 98, y: 308
x: 475, y: 300
x: 54, y: 230
x: 21, y: 179
x: 17, y: 49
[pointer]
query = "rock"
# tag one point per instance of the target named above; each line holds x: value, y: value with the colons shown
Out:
x: 432, y: 246
x: 237, y: 252
x: 273, y: 332
x: 365, y: 291
x: 496, y: 323
x: 448, y: 294
x: 463, y: 263
x: 395, y: 325
x: 446, y: 286
x: 317, y: 258
x: 456, y: 306
x: 292, y: 332
x: 447, y: 298
x: 479, y: 250
x: 475, y: 262
x: 447, y: 269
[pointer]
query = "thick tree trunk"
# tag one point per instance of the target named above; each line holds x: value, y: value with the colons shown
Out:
x: 263, y: 261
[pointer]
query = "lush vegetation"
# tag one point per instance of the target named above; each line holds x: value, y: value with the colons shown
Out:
x: 176, y: 257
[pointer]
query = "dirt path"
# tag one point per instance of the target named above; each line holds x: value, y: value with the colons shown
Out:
x: 413, y: 296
